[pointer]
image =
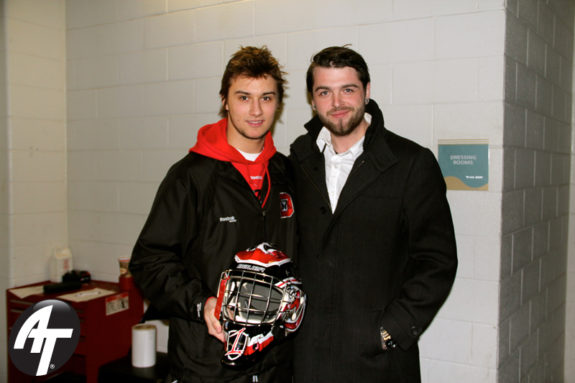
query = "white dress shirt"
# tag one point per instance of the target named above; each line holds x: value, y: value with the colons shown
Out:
x: 338, y: 165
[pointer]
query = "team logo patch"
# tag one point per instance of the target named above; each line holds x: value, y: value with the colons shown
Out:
x: 286, y: 205
x: 44, y: 337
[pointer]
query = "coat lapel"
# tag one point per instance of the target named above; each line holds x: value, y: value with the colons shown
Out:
x: 366, y: 169
x: 314, y: 168
x: 376, y: 159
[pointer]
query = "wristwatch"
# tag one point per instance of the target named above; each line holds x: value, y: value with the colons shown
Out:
x: 387, y: 343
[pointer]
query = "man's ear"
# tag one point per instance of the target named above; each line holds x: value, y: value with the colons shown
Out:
x: 368, y: 91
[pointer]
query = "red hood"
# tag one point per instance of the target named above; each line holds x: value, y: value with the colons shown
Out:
x: 212, y: 142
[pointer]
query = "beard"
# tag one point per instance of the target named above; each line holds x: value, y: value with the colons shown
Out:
x: 343, y: 128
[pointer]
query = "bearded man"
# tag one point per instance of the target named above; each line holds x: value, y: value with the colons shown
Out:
x: 377, y: 250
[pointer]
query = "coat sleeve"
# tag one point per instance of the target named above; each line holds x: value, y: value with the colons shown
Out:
x: 432, y: 256
x: 158, y: 262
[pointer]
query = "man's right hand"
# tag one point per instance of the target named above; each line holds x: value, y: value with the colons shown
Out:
x: 214, y: 325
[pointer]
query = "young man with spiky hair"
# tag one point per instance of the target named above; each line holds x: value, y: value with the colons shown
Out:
x: 228, y: 194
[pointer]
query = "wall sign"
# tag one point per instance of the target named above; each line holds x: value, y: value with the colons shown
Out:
x: 464, y: 164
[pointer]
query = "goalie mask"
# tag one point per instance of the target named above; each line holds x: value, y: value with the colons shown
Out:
x: 259, y: 301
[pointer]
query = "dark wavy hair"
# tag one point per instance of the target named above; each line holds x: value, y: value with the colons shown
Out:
x: 338, y: 57
x: 251, y: 62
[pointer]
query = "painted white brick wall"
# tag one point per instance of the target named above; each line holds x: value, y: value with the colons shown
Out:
x: 5, y: 263
x: 143, y: 76
x: 33, y: 149
x: 36, y: 92
x: 535, y: 208
x: 142, y: 81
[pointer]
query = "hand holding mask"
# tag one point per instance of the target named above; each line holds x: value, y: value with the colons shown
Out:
x: 259, y: 301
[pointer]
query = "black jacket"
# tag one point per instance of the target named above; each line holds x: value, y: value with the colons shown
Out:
x: 385, y: 258
x: 205, y: 212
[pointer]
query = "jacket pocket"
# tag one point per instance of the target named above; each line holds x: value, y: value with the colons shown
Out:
x: 364, y: 333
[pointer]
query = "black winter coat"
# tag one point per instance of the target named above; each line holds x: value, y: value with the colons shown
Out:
x: 385, y: 258
x: 203, y: 214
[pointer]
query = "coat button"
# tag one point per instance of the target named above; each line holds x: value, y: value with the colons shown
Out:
x: 415, y: 331
x: 323, y: 210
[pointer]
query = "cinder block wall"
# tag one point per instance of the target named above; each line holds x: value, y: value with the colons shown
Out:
x: 570, y: 316
x: 535, y: 208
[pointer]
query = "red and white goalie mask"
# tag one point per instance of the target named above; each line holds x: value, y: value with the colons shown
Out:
x: 259, y: 301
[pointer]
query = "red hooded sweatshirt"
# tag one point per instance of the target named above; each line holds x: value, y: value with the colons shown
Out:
x: 212, y: 142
